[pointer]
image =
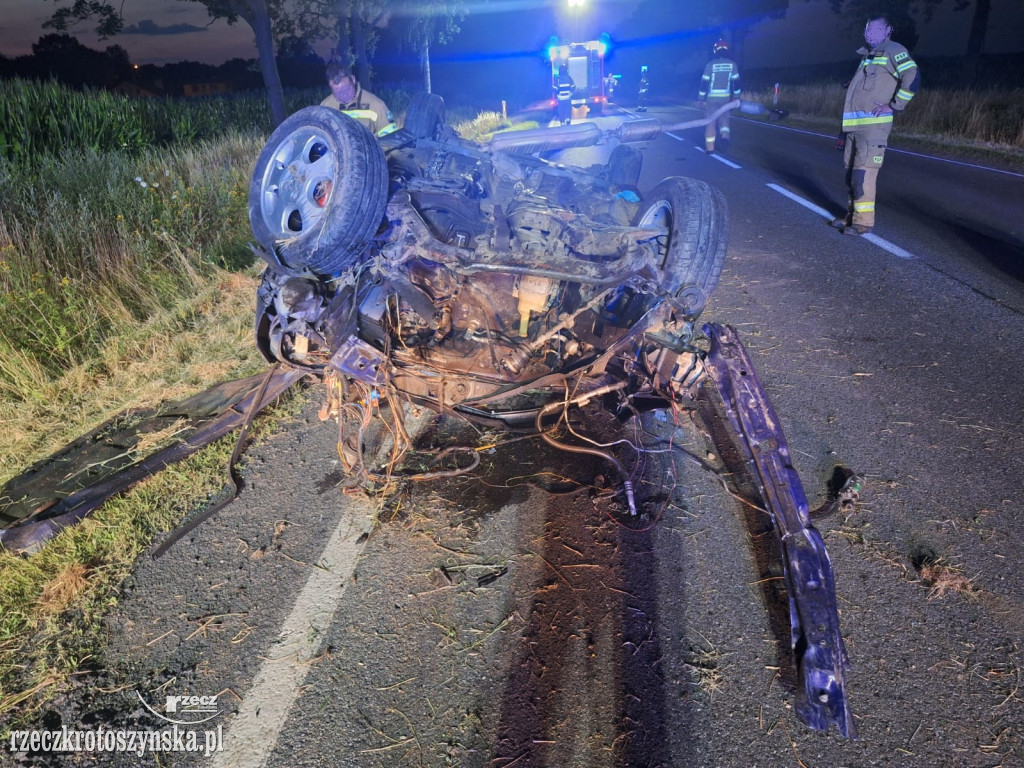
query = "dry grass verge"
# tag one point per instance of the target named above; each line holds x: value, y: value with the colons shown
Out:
x: 53, y: 601
x: 965, y: 120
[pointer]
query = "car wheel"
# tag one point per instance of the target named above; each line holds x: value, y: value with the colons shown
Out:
x: 691, y: 253
x: 318, y: 191
x: 425, y: 117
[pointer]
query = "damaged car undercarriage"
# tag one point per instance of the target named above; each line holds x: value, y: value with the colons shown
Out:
x: 489, y: 283
x: 484, y: 282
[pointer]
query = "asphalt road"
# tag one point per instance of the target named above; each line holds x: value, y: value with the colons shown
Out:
x: 934, y: 330
x: 484, y: 624
x: 957, y: 216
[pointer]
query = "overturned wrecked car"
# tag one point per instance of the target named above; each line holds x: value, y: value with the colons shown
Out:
x: 487, y: 282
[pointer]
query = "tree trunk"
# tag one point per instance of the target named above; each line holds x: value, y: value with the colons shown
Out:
x: 425, y: 61
x: 343, y: 50
x: 362, y: 63
x: 739, y: 42
x: 255, y: 14
x: 976, y: 38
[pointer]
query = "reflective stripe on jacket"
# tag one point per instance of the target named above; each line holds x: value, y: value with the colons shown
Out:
x: 564, y: 88
x: 886, y: 76
x: 721, y: 79
x: 368, y: 109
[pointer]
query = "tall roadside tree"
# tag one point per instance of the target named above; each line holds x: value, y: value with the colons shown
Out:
x: 735, y: 18
x: 356, y: 26
x: 976, y: 37
x: 256, y: 13
x: 903, y: 14
x: 675, y: 38
x: 427, y: 22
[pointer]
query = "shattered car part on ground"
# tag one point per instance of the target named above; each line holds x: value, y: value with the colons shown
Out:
x: 67, y: 486
x: 489, y: 283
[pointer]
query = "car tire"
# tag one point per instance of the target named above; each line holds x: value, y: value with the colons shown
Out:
x: 696, y: 219
x: 318, y: 191
x: 425, y: 117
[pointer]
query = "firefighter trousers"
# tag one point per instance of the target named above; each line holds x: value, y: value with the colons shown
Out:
x: 863, y: 156
x: 719, y: 127
x: 564, y: 111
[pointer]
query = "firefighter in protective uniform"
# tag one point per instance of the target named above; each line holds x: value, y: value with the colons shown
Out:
x: 645, y: 86
x: 564, y: 88
x: 356, y: 102
x: 719, y: 85
x: 884, y: 84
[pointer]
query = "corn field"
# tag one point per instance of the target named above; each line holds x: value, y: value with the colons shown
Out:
x: 38, y: 119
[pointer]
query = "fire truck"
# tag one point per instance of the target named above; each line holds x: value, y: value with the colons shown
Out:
x: 586, y: 68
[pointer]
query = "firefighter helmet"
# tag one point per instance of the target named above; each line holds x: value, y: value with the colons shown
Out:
x: 720, y: 47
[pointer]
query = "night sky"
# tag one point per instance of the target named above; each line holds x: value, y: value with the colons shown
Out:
x: 161, y: 31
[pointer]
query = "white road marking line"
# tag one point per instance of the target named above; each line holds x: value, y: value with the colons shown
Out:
x: 252, y: 734
x: 719, y: 158
x: 881, y: 242
x: 892, y: 248
x: 955, y: 162
x: 805, y: 203
x: 891, y: 149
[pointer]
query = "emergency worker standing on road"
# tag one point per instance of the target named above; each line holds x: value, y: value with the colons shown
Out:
x: 564, y: 88
x: 884, y: 84
x: 645, y: 85
x: 719, y: 85
x: 356, y: 102
x: 609, y: 88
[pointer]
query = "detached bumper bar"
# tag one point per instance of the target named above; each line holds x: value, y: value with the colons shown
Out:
x: 817, y: 643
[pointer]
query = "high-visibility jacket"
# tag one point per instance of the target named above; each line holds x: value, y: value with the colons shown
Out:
x: 721, y: 79
x: 886, y: 76
x: 564, y: 88
x: 368, y: 109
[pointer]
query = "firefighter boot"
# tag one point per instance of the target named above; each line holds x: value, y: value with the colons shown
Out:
x: 724, y: 133
x: 864, y: 184
x: 856, y: 229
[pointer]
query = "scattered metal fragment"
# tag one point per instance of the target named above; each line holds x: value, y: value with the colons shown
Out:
x: 66, y: 487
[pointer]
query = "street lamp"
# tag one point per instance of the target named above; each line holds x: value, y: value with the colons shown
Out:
x: 575, y: 6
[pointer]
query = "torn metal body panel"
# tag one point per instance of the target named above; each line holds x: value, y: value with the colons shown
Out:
x: 66, y: 487
x: 817, y: 642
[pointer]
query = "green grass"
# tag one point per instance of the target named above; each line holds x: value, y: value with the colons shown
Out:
x: 93, y: 244
x: 112, y: 268
x: 126, y: 280
x: 39, y: 119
